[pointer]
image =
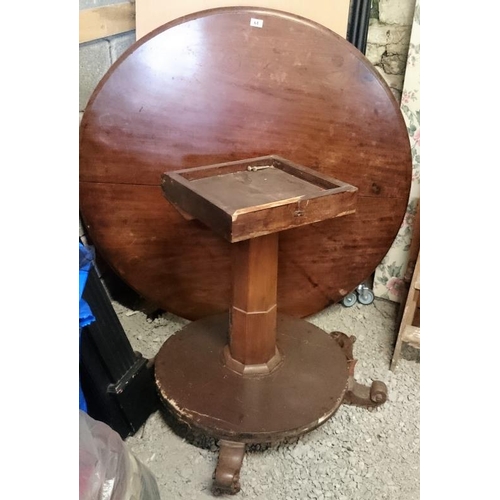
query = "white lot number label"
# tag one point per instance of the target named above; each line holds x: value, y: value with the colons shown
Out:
x: 256, y: 23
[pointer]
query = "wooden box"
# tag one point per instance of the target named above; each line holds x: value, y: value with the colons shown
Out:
x: 257, y: 196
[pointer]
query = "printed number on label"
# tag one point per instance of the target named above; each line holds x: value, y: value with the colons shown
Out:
x: 256, y: 23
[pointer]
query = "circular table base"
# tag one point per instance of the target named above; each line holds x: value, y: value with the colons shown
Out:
x: 302, y: 393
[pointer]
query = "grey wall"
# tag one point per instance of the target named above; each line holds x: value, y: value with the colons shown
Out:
x: 90, y: 4
x: 97, y: 56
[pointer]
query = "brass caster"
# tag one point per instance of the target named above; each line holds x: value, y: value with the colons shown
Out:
x: 226, y: 478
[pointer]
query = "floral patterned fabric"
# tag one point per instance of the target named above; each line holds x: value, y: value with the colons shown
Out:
x: 388, y: 281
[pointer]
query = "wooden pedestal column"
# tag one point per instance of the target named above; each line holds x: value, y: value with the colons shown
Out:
x: 251, y: 375
x: 252, y: 330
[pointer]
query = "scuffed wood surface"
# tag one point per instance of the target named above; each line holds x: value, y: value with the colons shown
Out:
x: 209, y: 90
x: 254, y: 200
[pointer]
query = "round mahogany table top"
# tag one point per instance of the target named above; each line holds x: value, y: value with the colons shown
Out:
x: 211, y: 88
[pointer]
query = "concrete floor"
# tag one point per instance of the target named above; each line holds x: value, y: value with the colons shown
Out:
x: 356, y: 454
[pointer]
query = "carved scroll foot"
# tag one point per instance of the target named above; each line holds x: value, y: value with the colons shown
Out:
x: 227, y: 473
x: 358, y: 394
x: 362, y: 395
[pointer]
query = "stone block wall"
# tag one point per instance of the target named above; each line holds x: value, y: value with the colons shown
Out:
x: 388, y: 40
x: 97, y: 56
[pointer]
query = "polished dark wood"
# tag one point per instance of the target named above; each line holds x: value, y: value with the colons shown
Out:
x: 257, y: 196
x: 209, y: 89
x: 249, y: 202
x: 252, y: 327
x: 255, y: 362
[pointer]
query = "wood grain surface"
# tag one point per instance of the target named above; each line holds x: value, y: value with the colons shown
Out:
x: 209, y: 88
x: 299, y: 396
x: 254, y: 200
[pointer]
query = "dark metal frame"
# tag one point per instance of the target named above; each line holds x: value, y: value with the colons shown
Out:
x: 357, y: 28
x: 118, y: 383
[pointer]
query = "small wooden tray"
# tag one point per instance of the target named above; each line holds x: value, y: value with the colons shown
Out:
x: 257, y: 196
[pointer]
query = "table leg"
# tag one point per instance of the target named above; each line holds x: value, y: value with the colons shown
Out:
x: 358, y: 394
x: 252, y: 330
x: 227, y: 474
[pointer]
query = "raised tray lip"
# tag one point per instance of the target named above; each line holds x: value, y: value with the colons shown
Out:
x: 336, y: 199
x: 179, y: 176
